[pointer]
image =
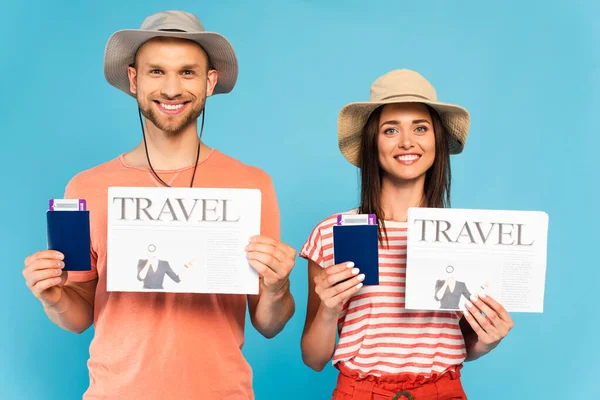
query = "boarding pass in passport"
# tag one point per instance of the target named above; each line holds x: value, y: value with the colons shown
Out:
x: 67, y: 205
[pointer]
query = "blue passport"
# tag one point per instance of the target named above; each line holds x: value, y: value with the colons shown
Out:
x: 359, y: 244
x: 69, y: 233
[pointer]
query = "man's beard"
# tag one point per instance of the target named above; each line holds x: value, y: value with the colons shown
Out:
x: 175, y: 123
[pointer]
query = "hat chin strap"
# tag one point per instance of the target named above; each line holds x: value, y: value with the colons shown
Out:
x: 197, y: 153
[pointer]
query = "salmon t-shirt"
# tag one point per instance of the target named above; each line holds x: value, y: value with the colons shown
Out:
x: 167, y: 345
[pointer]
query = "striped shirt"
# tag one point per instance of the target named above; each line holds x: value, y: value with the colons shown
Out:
x: 377, y: 335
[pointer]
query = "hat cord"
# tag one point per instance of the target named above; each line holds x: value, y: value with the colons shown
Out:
x: 197, y: 154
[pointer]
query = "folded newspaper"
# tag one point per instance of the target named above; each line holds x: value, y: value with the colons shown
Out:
x: 181, y: 239
x: 453, y: 253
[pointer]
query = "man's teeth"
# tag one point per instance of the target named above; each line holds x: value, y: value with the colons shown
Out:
x: 171, y: 107
x: 409, y: 157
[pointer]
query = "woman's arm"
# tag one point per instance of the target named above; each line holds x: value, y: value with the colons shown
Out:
x: 329, y: 289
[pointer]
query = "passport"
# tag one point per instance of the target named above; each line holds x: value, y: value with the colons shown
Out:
x: 69, y: 233
x: 359, y: 244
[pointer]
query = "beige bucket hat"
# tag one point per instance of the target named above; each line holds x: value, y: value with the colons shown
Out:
x: 399, y: 86
x: 123, y: 45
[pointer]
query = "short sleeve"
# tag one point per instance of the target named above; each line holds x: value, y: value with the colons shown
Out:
x: 73, y: 191
x: 313, y: 248
x: 270, y: 218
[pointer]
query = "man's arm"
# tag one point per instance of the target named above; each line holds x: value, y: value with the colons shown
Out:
x: 270, y: 312
x: 74, y: 311
x: 69, y: 305
x: 274, y: 306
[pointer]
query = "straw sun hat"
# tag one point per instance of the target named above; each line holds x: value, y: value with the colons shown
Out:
x: 123, y: 45
x: 399, y: 86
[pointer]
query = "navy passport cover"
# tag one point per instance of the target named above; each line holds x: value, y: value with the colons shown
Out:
x: 359, y: 244
x: 69, y: 233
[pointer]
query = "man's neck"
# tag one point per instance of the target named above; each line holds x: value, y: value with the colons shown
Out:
x: 398, y: 196
x: 167, y: 150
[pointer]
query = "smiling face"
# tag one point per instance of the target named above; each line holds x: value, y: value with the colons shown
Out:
x: 406, y: 141
x: 171, y: 80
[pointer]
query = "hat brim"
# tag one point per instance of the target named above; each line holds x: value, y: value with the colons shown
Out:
x: 123, y: 45
x: 354, y: 116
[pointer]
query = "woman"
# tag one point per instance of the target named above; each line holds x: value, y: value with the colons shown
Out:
x: 401, y: 140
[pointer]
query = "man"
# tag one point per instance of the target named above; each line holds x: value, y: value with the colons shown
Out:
x: 167, y: 345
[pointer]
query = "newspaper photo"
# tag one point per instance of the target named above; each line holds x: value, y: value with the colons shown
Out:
x: 453, y: 253
x: 181, y: 239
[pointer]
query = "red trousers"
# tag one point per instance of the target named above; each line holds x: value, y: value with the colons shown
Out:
x: 445, y: 387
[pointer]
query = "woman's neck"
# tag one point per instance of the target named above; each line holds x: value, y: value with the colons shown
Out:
x: 397, y: 196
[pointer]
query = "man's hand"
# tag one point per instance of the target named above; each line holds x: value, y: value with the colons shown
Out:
x: 273, y: 260
x: 44, y: 276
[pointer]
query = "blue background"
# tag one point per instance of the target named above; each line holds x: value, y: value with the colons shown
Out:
x: 527, y: 72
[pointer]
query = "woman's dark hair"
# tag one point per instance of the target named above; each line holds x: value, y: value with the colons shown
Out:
x: 437, y: 178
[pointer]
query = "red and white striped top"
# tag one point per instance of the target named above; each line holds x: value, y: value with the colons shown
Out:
x: 377, y: 335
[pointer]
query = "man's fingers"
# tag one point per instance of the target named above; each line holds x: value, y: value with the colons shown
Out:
x: 267, y: 260
x: 63, y: 278
x: 264, y: 240
x: 40, y: 286
x: 262, y: 269
x: 49, y: 254
x: 268, y: 249
x: 43, y: 263
x: 285, y: 248
x: 276, y: 255
x: 41, y: 275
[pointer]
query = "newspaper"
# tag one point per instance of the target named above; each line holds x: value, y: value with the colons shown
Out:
x: 181, y: 239
x: 453, y: 253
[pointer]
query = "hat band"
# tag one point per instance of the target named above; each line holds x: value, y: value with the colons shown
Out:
x: 406, y: 95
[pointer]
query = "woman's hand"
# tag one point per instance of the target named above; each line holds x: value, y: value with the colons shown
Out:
x: 336, y: 284
x: 488, y: 319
